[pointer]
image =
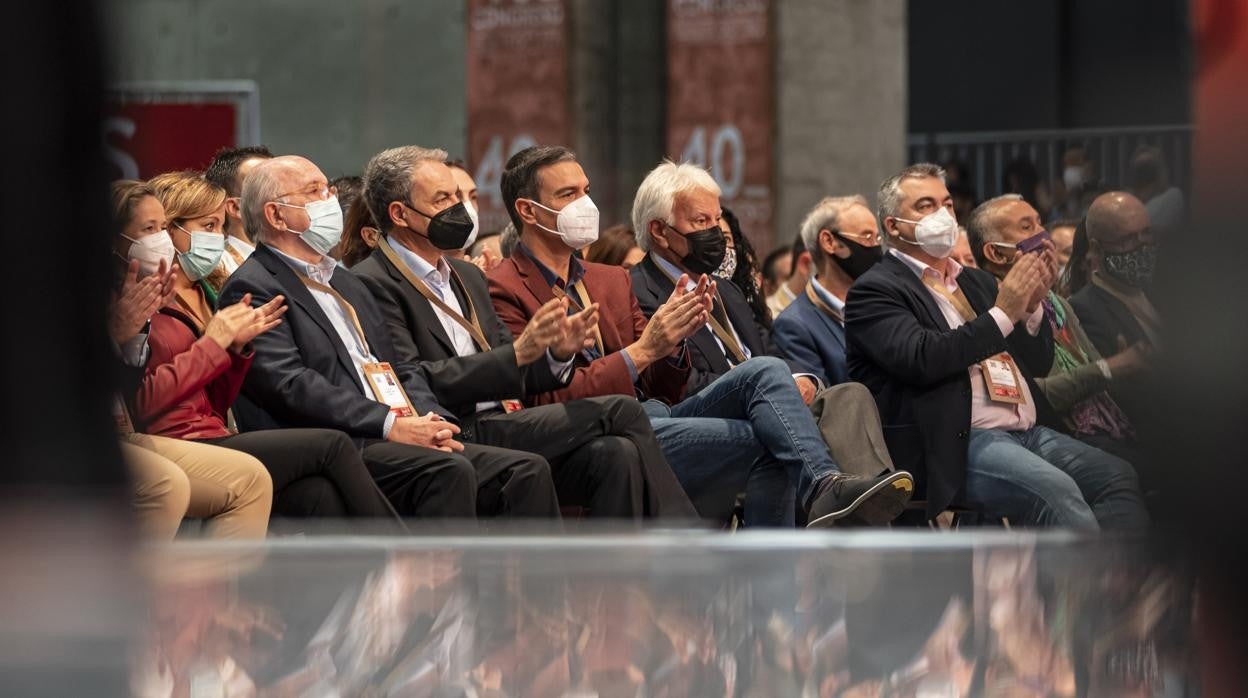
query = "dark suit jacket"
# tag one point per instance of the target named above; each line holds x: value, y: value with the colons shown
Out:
x: 708, y: 361
x: 518, y: 290
x: 457, y: 381
x: 1104, y: 318
x: 900, y: 346
x: 302, y: 375
x: 813, y: 340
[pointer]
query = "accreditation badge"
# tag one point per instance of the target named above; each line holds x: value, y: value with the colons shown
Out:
x: 387, y: 389
x: 1002, y: 379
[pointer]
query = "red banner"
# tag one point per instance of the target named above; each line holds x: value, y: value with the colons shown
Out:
x: 720, y: 109
x: 517, y: 89
x: 143, y: 140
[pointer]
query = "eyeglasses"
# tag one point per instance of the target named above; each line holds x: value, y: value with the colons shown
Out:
x: 316, y: 190
x: 868, y: 238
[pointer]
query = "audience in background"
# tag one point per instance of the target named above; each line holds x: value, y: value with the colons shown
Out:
x: 228, y: 170
x: 951, y: 355
x: 962, y: 253
x: 744, y: 274
x: 359, y: 234
x: 1062, y: 232
x: 615, y: 247
x: 1149, y: 181
x: 799, y: 274
x: 775, y: 270
x: 488, y: 243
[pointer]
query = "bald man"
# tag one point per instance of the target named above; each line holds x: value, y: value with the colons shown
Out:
x: 1113, y: 305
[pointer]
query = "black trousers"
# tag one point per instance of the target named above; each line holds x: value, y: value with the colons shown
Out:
x: 316, y: 472
x: 602, y: 452
x: 427, y: 483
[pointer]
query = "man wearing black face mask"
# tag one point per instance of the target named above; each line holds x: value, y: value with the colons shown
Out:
x: 602, y: 451
x: 1114, y: 306
x: 843, y: 238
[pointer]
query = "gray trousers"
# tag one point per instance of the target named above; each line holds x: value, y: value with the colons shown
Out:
x: 850, y: 424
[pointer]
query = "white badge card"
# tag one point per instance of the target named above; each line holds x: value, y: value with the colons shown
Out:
x: 387, y: 389
x: 1002, y: 379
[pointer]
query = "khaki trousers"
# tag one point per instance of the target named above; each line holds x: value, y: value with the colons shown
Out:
x: 175, y: 478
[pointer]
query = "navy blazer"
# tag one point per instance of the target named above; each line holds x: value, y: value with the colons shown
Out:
x: 708, y: 362
x: 813, y: 340
x: 900, y: 346
x: 302, y: 375
x: 1105, y: 318
x: 460, y: 382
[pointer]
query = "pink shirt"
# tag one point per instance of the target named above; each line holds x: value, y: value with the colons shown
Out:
x: 985, y: 414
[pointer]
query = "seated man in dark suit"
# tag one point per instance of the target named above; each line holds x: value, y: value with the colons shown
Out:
x: 739, y: 431
x: 602, y: 451
x: 950, y: 355
x: 1113, y: 303
x: 844, y: 242
x: 331, y: 364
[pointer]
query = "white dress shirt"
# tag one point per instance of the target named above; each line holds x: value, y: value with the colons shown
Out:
x: 833, y: 302
x: 986, y: 413
x: 439, y: 281
x: 357, y: 346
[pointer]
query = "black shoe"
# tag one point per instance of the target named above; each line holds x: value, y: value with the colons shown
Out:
x: 875, y: 501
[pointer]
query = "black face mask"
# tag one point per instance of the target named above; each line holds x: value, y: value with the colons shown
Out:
x: 450, y: 228
x: 860, y: 259
x: 706, y: 250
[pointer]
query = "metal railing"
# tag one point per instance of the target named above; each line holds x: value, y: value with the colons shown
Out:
x: 987, y: 154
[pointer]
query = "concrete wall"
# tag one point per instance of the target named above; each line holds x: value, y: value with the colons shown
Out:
x: 338, y: 81
x: 840, y: 102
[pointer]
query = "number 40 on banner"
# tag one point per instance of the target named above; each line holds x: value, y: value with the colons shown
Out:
x: 727, y: 156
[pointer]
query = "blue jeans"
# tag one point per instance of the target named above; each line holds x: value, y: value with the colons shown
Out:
x: 1040, y: 477
x: 761, y: 392
x: 717, y: 459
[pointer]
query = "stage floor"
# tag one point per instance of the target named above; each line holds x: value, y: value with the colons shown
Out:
x: 669, y: 614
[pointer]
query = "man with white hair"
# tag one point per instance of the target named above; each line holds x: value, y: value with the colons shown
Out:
x: 843, y: 239
x: 331, y: 364
x: 738, y: 431
x: 950, y: 354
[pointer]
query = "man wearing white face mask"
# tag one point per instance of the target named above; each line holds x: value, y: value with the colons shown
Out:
x: 949, y: 355
x: 602, y: 452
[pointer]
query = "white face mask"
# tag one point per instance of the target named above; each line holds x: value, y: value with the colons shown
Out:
x: 476, y: 224
x: 578, y: 222
x: 151, y: 250
x: 1072, y: 176
x: 936, y: 234
x: 325, y: 224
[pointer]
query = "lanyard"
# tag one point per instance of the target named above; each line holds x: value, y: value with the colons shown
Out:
x: 719, y: 323
x: 342, y: 302
x: 470, y: 324
x: 581, y: 301
x: 821, y: 305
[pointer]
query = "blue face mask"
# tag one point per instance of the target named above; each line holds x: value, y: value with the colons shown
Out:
x: 204, y: 254
x: 325, y: 224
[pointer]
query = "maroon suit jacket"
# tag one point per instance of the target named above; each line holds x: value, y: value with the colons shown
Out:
x: 518, y: 290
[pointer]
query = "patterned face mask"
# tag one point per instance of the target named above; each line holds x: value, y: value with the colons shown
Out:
x: 729, y: 266
x: 1134, y: 268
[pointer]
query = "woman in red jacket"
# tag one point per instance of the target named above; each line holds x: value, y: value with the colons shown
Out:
x: 199, y: 358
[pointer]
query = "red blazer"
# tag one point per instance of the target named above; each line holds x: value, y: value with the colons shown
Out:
x: 189, y: 383
x: 518, y: 290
